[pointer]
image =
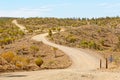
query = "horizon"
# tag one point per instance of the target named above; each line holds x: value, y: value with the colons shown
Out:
x: 59, y: 9
x: 67, y: 17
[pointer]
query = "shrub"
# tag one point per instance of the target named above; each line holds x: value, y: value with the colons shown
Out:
x: 6, y: 41
x: 55, y: 49
x: 58, y: 29
x: 2, y: 61
x: 39, y: 61
x: 71, y: 38
x: 15, y: 59
x: 53, y: 28
x: 92, y: 45
x: 89, y: 44
x: 8, y: 56
x: 18, y: 64
x: 84, y: 44
x: 20, y: 60
x: 50, y: 32
x: 34, y: 49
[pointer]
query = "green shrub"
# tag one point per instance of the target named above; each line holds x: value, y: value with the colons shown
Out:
x: 84, y: 44
x: 92, y: 45
x: 34, y: 49
x: 50, y: 32
x: 71, y: 38
x: 39, y: 61
x: 58, y: 29
x: 89, y: 44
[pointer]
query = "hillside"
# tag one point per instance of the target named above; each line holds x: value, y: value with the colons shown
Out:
x: 25, y: 54
x: 89, y: 36
x: 98, y: 34
x: 104, y: 38
x: 22, y: 54
x: 9, y: 32
x: 41, y: 25
x: 19, y: 53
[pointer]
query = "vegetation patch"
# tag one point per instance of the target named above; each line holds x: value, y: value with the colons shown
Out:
x: 9, y: 32
x: 26, y: 54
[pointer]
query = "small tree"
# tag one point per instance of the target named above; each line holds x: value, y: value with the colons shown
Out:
x: 55, y: 49
x: 58, y: 29
x: 50, y: 32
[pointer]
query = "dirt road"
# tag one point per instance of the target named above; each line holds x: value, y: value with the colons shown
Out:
x: 83, y: 68
x: 22, y: 28
x: 81, y: 60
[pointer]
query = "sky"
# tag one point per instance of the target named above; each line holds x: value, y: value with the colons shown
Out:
x: 60, y: 8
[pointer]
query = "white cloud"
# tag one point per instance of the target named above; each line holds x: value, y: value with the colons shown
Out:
x: 103, y: 4
x: 43, y: 11
x: 109, y: 5
x: 59, y: 5
x: 26, y: 12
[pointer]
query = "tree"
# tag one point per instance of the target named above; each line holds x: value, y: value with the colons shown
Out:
x: 55, y: 49
x: 58, y: 29
x: 50, y: 32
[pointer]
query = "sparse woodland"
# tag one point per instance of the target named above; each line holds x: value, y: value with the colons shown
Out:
x: 99, y: 34
x: 95, y: 33
x: 18, y: 53
x: 44, y: 24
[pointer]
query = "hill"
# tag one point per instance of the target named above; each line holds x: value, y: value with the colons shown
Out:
x: 98, y: 34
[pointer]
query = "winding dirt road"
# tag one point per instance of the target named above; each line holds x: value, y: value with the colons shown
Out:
x: 83, y: 68
x: 22, y: 28
x: 81, y: 60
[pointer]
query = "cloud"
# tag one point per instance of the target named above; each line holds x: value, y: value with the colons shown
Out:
x: 103, y: 4
x: 109, y: 5
x: 59, y: 5
x: 26, y: 12
x: 43, y: 11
